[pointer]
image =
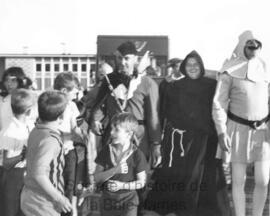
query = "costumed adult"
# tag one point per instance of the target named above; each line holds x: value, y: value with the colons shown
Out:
x: 241, y: 113
x: 132, y: 91
x: 186, y: 184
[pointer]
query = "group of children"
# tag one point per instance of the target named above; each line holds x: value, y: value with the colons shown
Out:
x: 37, y: 155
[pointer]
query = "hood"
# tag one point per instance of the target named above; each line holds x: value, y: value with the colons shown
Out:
x: 239, y: 66
x: 195, y: 55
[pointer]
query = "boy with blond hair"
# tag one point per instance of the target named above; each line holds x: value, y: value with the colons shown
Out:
x: 121, y: 168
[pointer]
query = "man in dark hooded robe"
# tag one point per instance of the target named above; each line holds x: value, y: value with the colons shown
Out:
x: 186, y: 184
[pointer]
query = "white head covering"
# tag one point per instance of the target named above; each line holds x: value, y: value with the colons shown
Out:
x: 240, y: 67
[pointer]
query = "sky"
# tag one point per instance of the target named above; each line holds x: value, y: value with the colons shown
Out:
x: 211, y: 27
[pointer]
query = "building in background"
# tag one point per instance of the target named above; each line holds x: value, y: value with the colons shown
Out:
x: 43, y: 68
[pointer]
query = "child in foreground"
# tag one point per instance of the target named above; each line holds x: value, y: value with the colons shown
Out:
x: 121, y: 168
x: 43, y: 193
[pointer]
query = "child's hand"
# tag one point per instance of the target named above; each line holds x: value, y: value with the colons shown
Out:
x: 84, y: 192
x: 122, y: 168
x: 114, y: 186
x: 63, y: 205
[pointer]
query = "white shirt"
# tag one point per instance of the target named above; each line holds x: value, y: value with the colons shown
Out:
x: 5, y: 111
x: 68, y: 124
x: 5, y: 116
x: 14, y: 137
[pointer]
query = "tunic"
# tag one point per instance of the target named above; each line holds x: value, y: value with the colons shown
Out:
x: 243, y: 90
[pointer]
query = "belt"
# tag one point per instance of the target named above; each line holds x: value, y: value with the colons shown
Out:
x: 252, y: 124
x: 142, y: 122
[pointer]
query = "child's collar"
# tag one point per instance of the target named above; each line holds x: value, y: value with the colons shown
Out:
x: 41, y: 125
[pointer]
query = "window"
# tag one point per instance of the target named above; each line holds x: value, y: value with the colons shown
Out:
x: 47, y: 67
x: 83, y: 67
x: 56, y: 67
x: 74, y: 67
x: 38, y: 67
x: 65, y: 67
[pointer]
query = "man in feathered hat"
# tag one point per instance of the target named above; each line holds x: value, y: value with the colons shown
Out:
x: 128, y: 89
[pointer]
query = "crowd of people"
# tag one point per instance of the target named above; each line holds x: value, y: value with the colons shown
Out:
x: 163, y: 148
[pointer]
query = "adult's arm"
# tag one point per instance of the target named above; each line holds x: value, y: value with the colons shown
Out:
x: 152, y: 113
x: 153, y: 122
x: 96, y: 113
x: 162, y: 99
x: 9, y: 162
x: 220, y: 102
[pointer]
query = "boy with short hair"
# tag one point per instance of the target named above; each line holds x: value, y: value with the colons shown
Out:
x: 43, y: 193
x: 121, y: 168
x: 67, y: 83
x: 13, y: 140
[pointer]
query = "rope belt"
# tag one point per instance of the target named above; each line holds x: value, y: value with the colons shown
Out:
x: 181, y: 133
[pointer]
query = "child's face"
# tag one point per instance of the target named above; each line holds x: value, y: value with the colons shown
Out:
x: 72, y: 94
x: 11, y: 83
x: 120, y: 135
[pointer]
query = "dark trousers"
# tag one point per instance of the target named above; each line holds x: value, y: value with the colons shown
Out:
x: 82, y: 175
x: 69, y: 173
x: 75, y: 171
x: 1, y: 189
x: 12, y: 187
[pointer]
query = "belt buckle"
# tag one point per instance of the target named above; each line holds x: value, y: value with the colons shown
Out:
x: 256, y: 125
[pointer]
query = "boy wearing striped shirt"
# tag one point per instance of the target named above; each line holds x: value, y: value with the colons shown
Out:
x: 43, y: 193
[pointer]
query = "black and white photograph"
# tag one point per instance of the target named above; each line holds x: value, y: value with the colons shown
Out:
x: 134, y: 108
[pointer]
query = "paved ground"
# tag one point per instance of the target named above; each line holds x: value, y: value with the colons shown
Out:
x: 91, y: 205
x: 249, y: 187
